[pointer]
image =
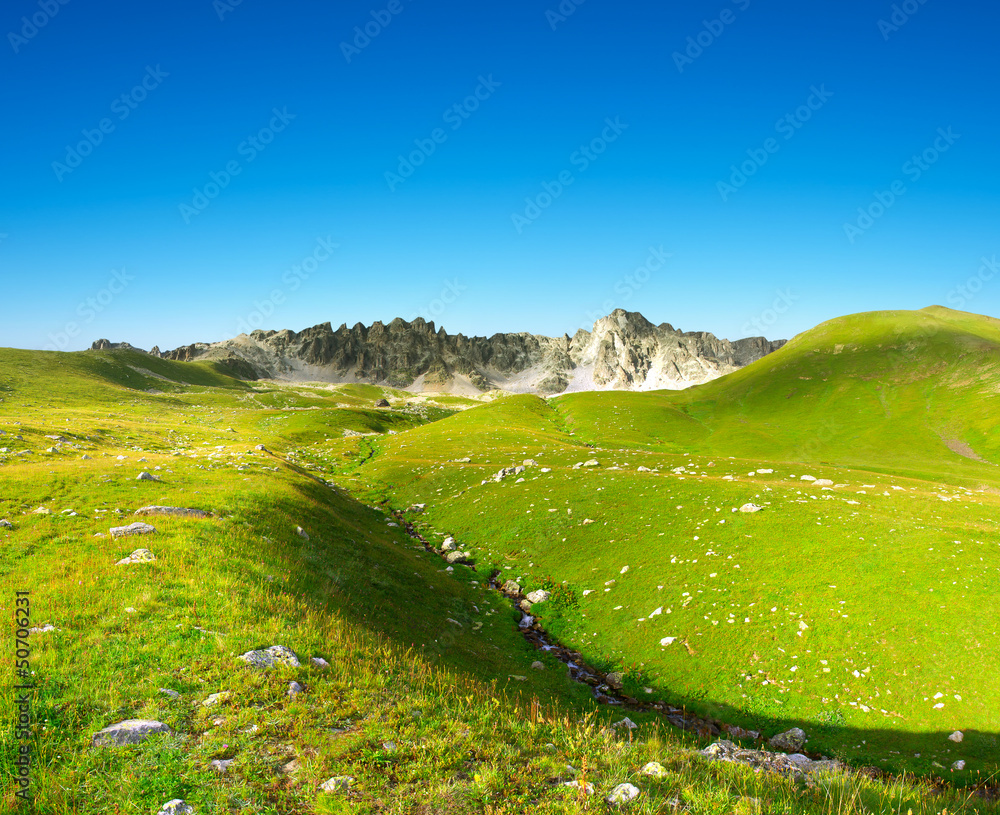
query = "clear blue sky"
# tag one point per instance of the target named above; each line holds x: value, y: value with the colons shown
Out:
x: 113, y: 240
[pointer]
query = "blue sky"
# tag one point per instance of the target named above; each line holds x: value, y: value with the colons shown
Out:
x: 716, y: 153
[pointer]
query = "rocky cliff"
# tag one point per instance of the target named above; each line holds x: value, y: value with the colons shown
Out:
x: 622, y: 351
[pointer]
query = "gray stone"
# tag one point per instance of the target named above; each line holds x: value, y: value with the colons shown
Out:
x: 177, y: 512
x: 221, y: 765
x: 539, y: 596
x: 957, y: 737
x: 449, y: 544
x: 294, y: 689
x: 751, y: 508
x: 538, y: 666
x: 319, y: 662
x: 147, y: 477
x: 45, y: 629
x: 130, y: 731
x: 270, y: 657
x: 6, y: 524
x: 301, y: 533
x: 510, y: 587
x: 626, y: 723
x: 138, y: 528
x: 456, y: 557
x: 959, y: 765
x: 654, y: 770
x: 171, y: 693
x: 822, y: 482
x: 623, y: 793
x: 215, y: 698
x: 591, y: 463
x: 615, y: 679
x: 338, y: 782
x: 138, y: 556
x: 176, y: 807
x: 791, y: 741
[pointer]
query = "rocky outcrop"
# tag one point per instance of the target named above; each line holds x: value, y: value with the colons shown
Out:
x: 623, y: 351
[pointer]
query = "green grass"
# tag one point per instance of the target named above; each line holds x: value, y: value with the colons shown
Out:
x: 425, y: 658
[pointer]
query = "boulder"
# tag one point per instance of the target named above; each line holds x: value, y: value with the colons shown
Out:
x: 591, y: 463
x: 456, y: 557
x: 654, y: 770
x: 791, y: 741
x: 751, y: 508
x: 623, y: 793
x: 270, y: 657
x: 138, y: 528
x: 338, y: 782
x: 957, y: 737
x: 382, y: 403
x: 615, y: 679
x: 449, y: 544
x: 176, y: 512
x: 147, y: 477
x: 130, y: 731
x: 138, y: 556
x: 538, y: 596
x: 510, y: 587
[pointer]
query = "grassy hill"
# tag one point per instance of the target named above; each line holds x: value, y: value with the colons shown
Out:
x: 430, y: 702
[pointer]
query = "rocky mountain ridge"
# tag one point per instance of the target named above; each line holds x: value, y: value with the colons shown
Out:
x: 623, y: 351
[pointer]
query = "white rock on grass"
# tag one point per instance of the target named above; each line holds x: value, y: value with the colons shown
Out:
x: 583, y: 786
x: 130, y: 731
x: 301, y: 533
x: 178, y: 512
x: 138, y: 528
x: 539, y: 596
x: 147, y: 477
x: 319, y: 662
x: 214, y: 698
x: 176, y: 807
x: 957, y: 737
x: 668, y: 641
x: 822, y: 482
x: 591, y: 463
x: 654, y: 770
x: 959, y: 765
x: 623, y: 793
x: 171, y: 693
x: 270, y: 657
x: 807, y: 478
x: 751, y: 508
x: 138, y: 556
x: 294, y: 689
x: 338, y: 782
x: 6, y: 524
x: 627, y: 723
x: 537, y: 666
x: 221, y: 765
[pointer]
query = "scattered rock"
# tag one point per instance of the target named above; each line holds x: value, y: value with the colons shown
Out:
x: 294, y: 689
x: 6, y: 524
x: 319, y: 662
x: 178, y: 512
x: 261, y: 448
x: 592, y: 463
x: 138, y: 528
x: 457, y: 557
x: 615, y: 679
x: 959, y: 765
x: 221, y: 765
x: 529, y: 462
x: 510, y: 587
x: 644, y: 470
x: 654, y: 770
x: 41, y: 511
x: 623, y: 793
x: 338, y: 782
x: 45, y: 629
x: 583, y: 786
x: 822, y: 482
x: 215, y: 698
x: 751, y: 508
x: 668, y: 641
x: 175, y: 807
x: 382, y: 403
x: 138, y: 556
x: 270, y: 657
x: 171, y: 693
x: 795, y: 765
x: 130, y: 731
x: 465, y: 460
x: 538, y: 666
x: 791, y: 741
x: 147, y: 477
x: 588, y: 521
x: 627, y: 723
x: 301, y: 533
x: 539, y: 596
x: 957, y: 737
x: 449, y: 544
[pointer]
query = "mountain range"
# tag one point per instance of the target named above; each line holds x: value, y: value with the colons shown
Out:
x: 623, y: 351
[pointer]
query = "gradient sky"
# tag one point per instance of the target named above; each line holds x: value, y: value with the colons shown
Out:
x: 95, y: 241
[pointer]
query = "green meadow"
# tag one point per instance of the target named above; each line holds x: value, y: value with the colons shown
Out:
x: 858, y: 604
